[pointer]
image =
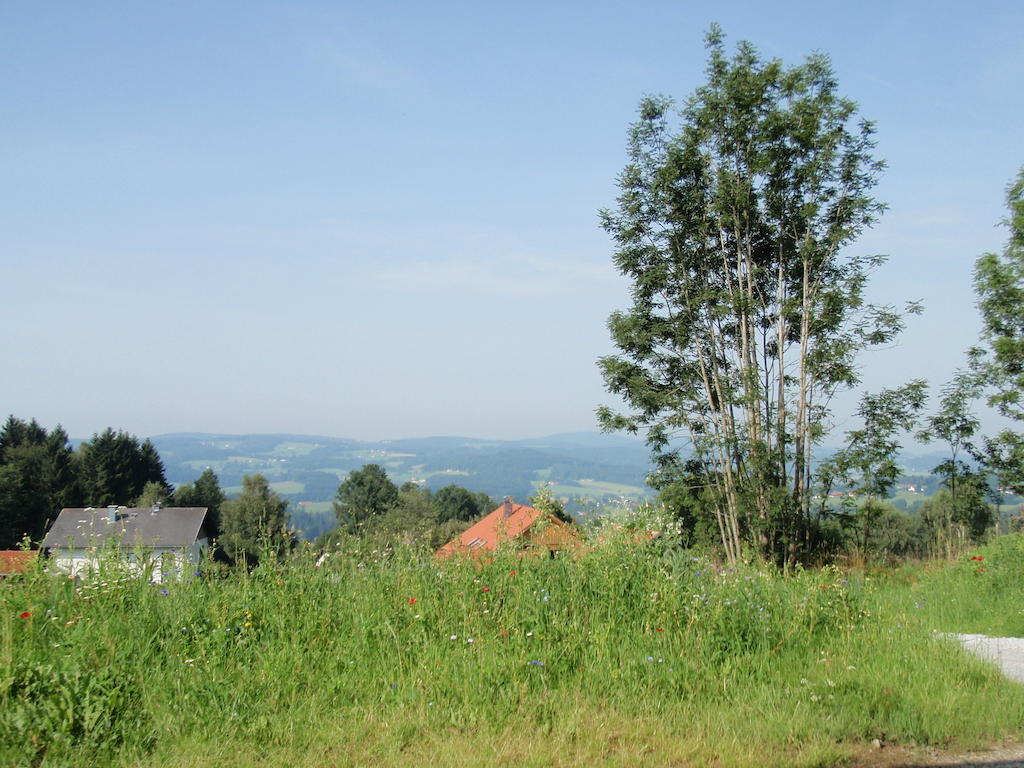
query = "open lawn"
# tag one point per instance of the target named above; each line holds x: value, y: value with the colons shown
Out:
x: 626, y: 655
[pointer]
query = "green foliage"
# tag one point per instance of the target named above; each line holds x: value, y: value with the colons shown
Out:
x: 51, y: 713
x: 999, y: 284
x: 747, y: 316
x: 456, y: 503
x: 152, y: 493
x: 254, y: 524
x: 955, y: 521
x: 37, y: 479
x: 204, y: 492
x: 980, y: 591
x: 363, y: 494
x: 114, y: 467
x: 999, y: 361
x: 682, y: 659
x: 544, y: 500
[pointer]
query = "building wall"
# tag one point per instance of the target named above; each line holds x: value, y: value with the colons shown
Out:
x: 154, y: 563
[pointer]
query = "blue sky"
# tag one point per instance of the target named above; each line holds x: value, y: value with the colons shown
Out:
x: 379, y: 220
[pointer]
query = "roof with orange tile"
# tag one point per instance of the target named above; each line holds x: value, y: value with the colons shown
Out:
x: 14, y: 561
x: 508, y: 521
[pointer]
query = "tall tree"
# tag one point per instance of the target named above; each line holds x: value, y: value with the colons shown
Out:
x: 962, y: 514
x: 114, y: 468
x: 454, y: 502
x: 999, y: 361
x: 747, y: 314
x: 255, y: 522
x: 868, y: 461
x: 363, y: 494
x: 37, y: 479
x: 204, y: 492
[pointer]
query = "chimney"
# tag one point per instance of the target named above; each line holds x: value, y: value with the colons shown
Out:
x: 112, y: 513
x: 507, y: 507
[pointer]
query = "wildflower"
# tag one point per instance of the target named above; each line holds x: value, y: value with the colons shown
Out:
x: 469, y: 639
x: 536, y: 663
x: 485, y: 589
x: 454, y: 637
x: 412, y: 601
x: 24, y: 615
x: 658, y: 629
x: 529, y: 634
x: 977, y: 558
x: 164, y: 592
x: 511, y: 573
x: 814, y: 697
x: 981, y: 570
x: 824, y: 586
x: 650, y: 658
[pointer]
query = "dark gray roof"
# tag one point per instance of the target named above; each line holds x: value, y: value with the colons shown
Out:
x: 167, y: 527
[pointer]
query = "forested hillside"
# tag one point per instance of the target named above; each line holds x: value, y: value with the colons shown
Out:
x: 309, y: 468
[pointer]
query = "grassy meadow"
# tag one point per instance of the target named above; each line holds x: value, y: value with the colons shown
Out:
x: 629, y: 654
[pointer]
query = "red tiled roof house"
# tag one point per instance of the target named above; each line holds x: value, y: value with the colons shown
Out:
x: 531, y: 526
x: 14, y: 562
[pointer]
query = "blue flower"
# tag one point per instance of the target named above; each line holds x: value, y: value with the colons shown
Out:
x: 164, y: 592
x: 536, y: 663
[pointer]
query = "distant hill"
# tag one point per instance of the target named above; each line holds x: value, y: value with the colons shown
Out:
x: 310, y: 467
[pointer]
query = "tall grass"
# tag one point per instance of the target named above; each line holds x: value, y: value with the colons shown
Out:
x: 981, y: 592
x: 621, y: 655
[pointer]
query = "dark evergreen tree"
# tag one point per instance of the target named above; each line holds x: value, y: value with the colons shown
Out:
x: 114, y: 468
x: 37, y: 479
x: 204, y: 492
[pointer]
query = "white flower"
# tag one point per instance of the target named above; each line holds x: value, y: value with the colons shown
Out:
x: 454, y: 637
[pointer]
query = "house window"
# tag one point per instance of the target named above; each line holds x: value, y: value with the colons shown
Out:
x: 477, y: 542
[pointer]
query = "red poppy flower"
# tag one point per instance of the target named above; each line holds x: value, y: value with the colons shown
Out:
x: 824, y: 586
x: 485, y: 589
x: 981, y: 570
x: 977, y: 558
x: 412, y: 601
x: 24, y: 614
x: 658, y: 629
x: 511, y: 573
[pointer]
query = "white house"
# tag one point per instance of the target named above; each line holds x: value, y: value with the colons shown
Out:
x: 154, y: 539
